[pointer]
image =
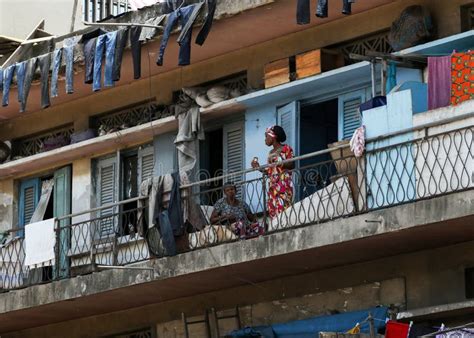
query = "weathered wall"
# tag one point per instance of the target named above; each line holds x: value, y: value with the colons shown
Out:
x: 427, y: 275
x: 7, y: 194
x: 252, y: 60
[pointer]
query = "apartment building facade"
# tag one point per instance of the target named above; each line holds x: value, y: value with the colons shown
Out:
x: 391, y: 228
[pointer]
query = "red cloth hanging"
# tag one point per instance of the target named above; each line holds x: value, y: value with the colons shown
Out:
x: 462, y: 77
x: 396, y: 330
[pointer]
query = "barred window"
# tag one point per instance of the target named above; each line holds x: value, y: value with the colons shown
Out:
x: 96, y: 10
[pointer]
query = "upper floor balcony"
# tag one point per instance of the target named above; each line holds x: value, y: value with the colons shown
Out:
x: 432, y: 163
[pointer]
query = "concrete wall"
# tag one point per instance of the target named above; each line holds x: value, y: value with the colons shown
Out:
x: 19, y: 17
x: 426, y: 275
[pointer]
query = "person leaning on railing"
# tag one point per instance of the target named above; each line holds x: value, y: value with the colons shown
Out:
x: 280, y: 187
x: 230, y: 211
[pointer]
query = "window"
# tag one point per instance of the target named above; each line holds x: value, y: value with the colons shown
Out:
x: 467, y: 17
x: 42, y: 198
x: 222, y: 152
x: 96, y: 10
x: 469, y: 280
x: 118, y: 178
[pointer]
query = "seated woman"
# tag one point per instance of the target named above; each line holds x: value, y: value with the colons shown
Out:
x: 235, y: 214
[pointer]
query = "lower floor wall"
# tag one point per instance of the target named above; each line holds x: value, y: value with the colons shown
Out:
x: 404, y: 282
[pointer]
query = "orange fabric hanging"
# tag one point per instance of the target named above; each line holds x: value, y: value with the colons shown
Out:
x: 462, y: 76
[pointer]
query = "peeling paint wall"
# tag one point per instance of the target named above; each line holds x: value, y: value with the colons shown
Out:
x: 7, y: 204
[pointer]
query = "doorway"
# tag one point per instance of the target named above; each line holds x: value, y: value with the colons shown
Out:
x: 318, y: 127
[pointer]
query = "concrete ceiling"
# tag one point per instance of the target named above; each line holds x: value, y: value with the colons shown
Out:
x: 246, y: 29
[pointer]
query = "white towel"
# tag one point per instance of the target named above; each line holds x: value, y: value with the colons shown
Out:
x: 40, y: 240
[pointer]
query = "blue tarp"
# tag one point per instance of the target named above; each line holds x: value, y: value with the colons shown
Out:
x: 310, y: 328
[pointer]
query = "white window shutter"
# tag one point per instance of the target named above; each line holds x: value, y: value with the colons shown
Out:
x: 146, y: 164
x: 234, y: 149
x: 107, y: 192
x: 288, y: 119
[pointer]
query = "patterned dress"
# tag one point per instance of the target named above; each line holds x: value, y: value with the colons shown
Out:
x: 280, y: 189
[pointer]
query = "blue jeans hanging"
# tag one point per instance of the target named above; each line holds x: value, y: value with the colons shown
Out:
x: 182, y: 15
x: 105, y: 43
x: 57, y: 56
x: 7, y: 81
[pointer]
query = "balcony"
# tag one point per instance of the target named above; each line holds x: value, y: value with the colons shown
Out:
x: 329, y: 185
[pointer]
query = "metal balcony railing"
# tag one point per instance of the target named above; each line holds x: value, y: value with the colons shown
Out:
x: 399, y: 168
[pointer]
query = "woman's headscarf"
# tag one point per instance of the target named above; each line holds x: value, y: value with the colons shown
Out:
x: 277, y: 133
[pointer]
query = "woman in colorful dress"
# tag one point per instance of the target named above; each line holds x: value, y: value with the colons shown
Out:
x: 280, y: 187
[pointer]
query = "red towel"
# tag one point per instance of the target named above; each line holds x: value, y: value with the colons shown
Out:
x: 396, y: 330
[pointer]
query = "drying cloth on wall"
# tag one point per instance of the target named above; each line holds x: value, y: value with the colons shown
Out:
x: 189, y: 133
x: 357, y: 142
x: 462, y: 77
x: 439, y: 81
x: 40, y: 240
x: 396, y: 330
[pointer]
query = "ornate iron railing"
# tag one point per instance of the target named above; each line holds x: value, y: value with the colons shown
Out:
x: 395, y: 169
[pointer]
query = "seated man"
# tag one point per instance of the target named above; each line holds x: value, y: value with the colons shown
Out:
x: 235, y: 214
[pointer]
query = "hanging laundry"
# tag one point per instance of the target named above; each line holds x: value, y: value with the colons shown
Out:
x: 20, y: 70
x: 391, y: 77
x: 462, y: 77
x: 7, y: 81
x: 29, y: 73
x: 182, y: 15
x: 57, y: 57
x: 396, y: 330
x: 136, y: 46
x: 122, y: 36
x: 44, y: 63
x: 89, y: 41
x: 137, y: 4
x: 149, y: 33
x: 105, y: 43
x: 303, y: 10
x: 439, y: 81
x: 206, y: 28
x: 68, y: 50
x: 357, y: 142
x: 185, y: 31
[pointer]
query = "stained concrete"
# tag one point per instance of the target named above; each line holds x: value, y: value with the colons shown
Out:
x: 419, y: 270
x: 425, y: 224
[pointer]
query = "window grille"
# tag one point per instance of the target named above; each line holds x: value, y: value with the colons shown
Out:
x: 128, y: 117
x: 96, y: 10
x: 144, y: 333
x: 377, y: 42
x: 32, y: 145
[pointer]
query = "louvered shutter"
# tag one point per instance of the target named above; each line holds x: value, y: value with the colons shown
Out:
x: 234, y: 149
x: 146, y: 164
x: 107, y: 191
x: 30, y: 191
x: 62, y: 207
x: 288, y: 119
x: 349, y: 115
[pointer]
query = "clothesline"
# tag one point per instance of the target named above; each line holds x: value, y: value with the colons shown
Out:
x: 123, y: 24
